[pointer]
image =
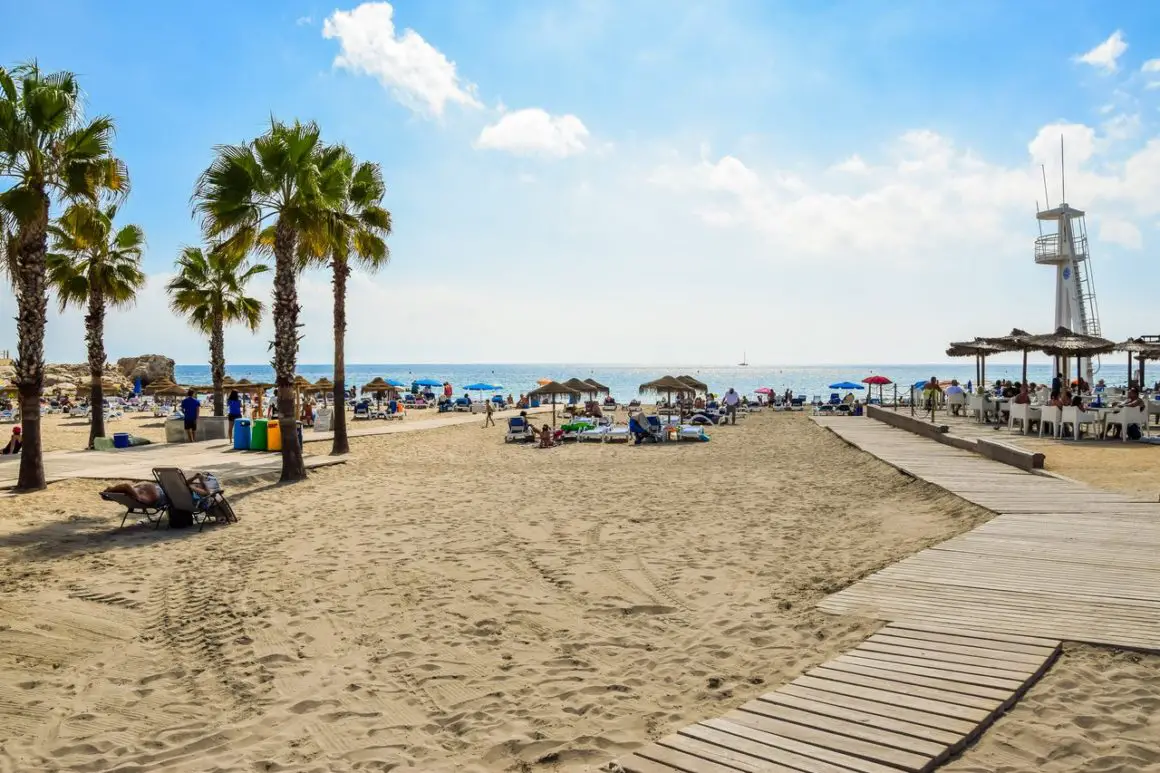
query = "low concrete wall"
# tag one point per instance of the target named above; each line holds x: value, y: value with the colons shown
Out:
x: 1009, y: 454
x: 991, y: 449
x: 208, y: 428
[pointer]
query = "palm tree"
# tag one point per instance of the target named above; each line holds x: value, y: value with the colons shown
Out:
x: 93, y: 267
x: 48, y: 150
x: 210, y: 289
x: 359, y: 231
x: 287, y: 176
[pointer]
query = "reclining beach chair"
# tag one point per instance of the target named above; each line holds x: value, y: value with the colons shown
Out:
x: 519, y: 430
x: 184, y: 503
x: 151, y: 513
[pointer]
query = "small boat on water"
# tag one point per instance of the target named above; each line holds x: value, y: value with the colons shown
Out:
x: 744, y: 361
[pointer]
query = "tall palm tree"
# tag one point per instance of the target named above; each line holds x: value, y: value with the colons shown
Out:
x: 210, y: 289
x: 287, y: 180
x: 359, y: 231
x: 48, y: 149
x: 95, y: 266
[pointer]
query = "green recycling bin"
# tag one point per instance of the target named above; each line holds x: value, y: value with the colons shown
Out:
x: 258, y: 435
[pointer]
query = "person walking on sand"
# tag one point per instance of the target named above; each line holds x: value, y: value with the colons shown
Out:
x: 731, y: 399
x: 489, y: 409
x: 189, y: 409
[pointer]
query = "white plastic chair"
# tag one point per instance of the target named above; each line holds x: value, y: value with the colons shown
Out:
x: 1019, y: 412
x: 1126, y: 416
x: 1076, y: 418
x: 1051, y: 415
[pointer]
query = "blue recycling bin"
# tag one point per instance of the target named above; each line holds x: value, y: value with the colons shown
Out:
x: 241, y: 434
x: 121, y: 440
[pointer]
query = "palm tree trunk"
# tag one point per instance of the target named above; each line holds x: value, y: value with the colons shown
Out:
x: 31, y: 315
x: 286, y: 348
x: 341, y: 272
x: 95, y: 338
x: 217, y: 362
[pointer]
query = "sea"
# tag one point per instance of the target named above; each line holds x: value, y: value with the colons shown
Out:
x: 625, y: 380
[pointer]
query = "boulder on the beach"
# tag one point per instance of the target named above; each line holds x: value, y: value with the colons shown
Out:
x: 147, y: 367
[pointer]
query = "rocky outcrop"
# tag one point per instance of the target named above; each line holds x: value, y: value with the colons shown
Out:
x: 147, y: 367
x: 78, y: 375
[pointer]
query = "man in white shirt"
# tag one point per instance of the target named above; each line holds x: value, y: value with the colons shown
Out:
x: 731, y: 399
x: 957, y: 403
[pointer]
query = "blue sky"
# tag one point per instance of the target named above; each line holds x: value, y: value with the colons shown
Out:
x: 640, y: 181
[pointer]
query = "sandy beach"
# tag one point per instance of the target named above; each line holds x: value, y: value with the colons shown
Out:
x: 445, y: 602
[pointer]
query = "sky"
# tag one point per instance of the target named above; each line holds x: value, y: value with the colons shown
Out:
x: 637, y: 181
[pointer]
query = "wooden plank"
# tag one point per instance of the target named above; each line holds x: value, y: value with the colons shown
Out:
x: 910, y: 625
x: 968, y: 670
x: 838, y: 749
x: 875, y: 705
x: 921, y: 680
x: 838, y: 726
x: 1012, y: 661
x: 884, y: 696
x: 636, y: 764
x: 937, y: 671
x: 683, y: 761
x: 850, y: 714
x: 730, y: 759
x: 760, y: 749
x: 846, y: 676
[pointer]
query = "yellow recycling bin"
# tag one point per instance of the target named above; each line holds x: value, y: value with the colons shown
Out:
x: 274, y: 436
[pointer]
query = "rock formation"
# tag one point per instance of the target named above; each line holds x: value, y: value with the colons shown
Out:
x: 147, y: 367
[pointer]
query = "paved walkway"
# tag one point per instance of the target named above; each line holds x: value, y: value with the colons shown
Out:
x: 218, y: 455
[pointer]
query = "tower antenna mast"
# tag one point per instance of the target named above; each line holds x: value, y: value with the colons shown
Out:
x: 1062, y: 170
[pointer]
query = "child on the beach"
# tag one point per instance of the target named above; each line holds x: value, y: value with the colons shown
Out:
x: 546, y: 439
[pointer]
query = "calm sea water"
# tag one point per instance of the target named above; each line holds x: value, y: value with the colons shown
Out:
x: 625, y: 380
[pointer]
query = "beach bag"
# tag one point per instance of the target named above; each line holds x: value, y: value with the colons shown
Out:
x: 1133, y: 431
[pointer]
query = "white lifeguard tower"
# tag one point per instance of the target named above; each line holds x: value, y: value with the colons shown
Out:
x: 1075, y: 293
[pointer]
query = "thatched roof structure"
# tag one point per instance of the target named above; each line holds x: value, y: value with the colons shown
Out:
x: 583, y: 387
x: 553, y: 388
x: 1143, y: 350
x: 324, y: 383
x: 597, y: 386
x: 667, y: 384
x: 976, y: 348
x: 1014, y: 341
x: 696, y: 384
x: 1065, y: 343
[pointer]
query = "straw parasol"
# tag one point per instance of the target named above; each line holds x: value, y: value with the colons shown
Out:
x: 668, y: 386
x: 979, y: 349
x: 581, y: 386
x: 553, y: 388
x: 1065, y: 343
x: 227, y: 381
x: 696, y: 384
x: 600, y: 388
x: 156, y: 386
x: 1015, y: 341
x: 1144, y: 350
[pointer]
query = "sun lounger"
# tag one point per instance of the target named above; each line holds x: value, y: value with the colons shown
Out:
x: 151, y: 513
x: 691, y: 432
x: 597, y: 434
x: 183, y: 502
x: 617, y: 434
x: 519, y: 430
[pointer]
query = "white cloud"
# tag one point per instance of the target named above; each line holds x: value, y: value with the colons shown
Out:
x: 1152, y: 65
x: 1105, y: 55
x: 533, y: 131
x: 853, y: 165
x: 1152, y: 85
x: 417, y: 74
x: 1116, y: 231
x: 304, y: 21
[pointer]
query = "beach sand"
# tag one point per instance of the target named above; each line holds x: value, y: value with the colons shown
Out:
x: 445, y: 602
x: 1131, y: 468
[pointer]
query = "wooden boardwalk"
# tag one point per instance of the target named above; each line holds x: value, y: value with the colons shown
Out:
x: 905, y: 699
x: 974, y: 621
x: 1061, y: 560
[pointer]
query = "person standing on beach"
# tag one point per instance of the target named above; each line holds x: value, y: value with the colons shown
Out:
x: 489, y: 420
x: 731, y: 400
x: 189, y: 409
x: 234, y: 410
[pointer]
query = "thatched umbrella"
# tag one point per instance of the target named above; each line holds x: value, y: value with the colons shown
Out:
x: 323, y: 386
x: 106, y: 386
x: 581, y: 386
x: 1065, y: 343
x: 553, y: 388
x: 979, y: 349
x: 1015, y: 341
x: 597, y: 386
x: 668, y: 386
x: 156, y: 386
x: 227, y: 381
x: 1143, y: 350
x: 696, y: 384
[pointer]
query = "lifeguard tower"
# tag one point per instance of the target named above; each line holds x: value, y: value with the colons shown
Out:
x: 1075, y: 295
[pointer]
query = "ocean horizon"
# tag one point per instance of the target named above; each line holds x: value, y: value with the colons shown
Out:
x: 624, y: 380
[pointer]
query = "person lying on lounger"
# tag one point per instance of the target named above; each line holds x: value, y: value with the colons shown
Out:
x: 149, y: 493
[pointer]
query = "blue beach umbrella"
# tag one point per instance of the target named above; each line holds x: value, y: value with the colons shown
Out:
x: 845, y: 385
x: 480, y: 387
x: 396, y: 383
x: 429, y: 382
